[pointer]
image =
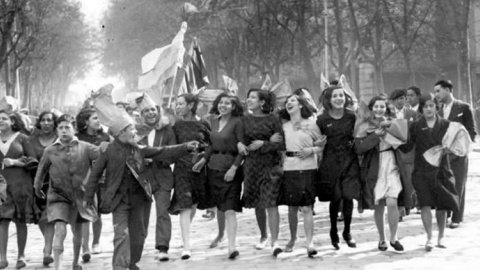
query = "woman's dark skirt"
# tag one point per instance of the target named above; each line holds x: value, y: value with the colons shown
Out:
x: 298, y: 188
x: 225, y: 195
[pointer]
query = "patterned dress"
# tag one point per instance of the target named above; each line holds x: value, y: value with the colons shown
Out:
x: 339, y: 170
x: 20, y: 205
x: 190, y: 187
x: 261, y: 190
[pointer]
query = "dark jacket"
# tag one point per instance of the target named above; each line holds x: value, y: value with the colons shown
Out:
x: 369, y: 167
x: 114, y: 159
x: 158, y: 170
x: 462, y: 113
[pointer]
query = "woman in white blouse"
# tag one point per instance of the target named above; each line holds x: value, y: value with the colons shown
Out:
x: 303, y: 142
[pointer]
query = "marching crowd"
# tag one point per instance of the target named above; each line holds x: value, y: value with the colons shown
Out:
x: 67, y: 170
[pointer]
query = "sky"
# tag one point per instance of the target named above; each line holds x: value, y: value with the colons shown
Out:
x: 94, y: 79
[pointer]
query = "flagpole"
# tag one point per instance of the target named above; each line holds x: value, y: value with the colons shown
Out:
x: 171, y: 90
x: 325, y: 9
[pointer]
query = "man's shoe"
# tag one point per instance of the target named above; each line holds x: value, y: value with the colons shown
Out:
x: 163, y: 256
x: 454, y: 225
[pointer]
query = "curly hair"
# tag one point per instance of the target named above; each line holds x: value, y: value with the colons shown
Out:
x: 423, y: 100
x: 191, y: 99
x: 237, y: 105
x: 326, y: 97
x: 268, y: 97
x: 306, y: 111
x: 40, y: 118
x: 372, y: 101
x: 82, y: 119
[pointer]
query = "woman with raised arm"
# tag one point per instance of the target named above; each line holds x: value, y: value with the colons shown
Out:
x: 262, y: 167
x: 338, y: 177
x: 300, y: 166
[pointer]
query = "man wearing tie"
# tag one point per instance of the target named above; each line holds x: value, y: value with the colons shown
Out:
x: 456, y: 111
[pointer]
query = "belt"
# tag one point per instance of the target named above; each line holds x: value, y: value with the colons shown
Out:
x: 291, y: 153
x: 388, y: 149
x: 225, y: 153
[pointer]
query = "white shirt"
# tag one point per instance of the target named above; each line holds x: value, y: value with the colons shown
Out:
x: 415, y: 108
x: 447, y: 108
x: 400, y: 114
x: 151, y: 137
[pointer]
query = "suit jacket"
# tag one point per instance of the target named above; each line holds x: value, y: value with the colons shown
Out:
x: 158, y: 171
x: 462, y: 113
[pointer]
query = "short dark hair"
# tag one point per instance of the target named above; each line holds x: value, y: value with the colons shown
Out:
x: 305, y: 112
x: 299, y: 91
x: 82, y: 118
x: 237, y: 110
x: 398, y: 93
x: 326, y: 97
x: 66, y: 118
x: 334, y: 83
x: 40, y: 117
x: 423, y: 100
x: 17, y: 123
x: 445, y: 84
x: 415, y: 89
x: 266, y: 96
x: 191, y: 99
x: 381, y: 98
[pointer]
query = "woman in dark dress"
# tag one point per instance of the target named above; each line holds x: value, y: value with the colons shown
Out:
x: 426, y: 133
x: 89, y: 130
x: 262, y: 164
x: 339, y: 171
x: 189, y: 186
x: 45, y: 135
x: 224, y: 175
x: 16, y: 155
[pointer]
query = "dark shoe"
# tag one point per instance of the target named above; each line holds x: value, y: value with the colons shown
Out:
x: 47, y: 260
x: 311, y: 252
x: 397, y: 246
x: 209, y: 215
x: 216, y: 242
x: 277, y: 250
x: 400, y: 219
x: 3, y: 265
x: 454, y: 225
x: 163, y: 256
x: 20, y: 264
x: 233, y: 255
x: 86, y: 257
x: 335, y: 240
x: 77, y: 267
x: 382, y: 246
x: 186, y: 254
x: 350, y: 241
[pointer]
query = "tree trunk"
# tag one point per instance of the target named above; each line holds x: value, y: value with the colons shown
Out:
x: 379, y: 84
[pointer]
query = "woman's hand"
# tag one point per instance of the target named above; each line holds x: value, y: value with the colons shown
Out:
x: 230, y: 174
x: 199, y: 165
x: 385, y: 124
x: 276, y: 138
x: 10, y: 162
x: 39, y: 193
x: 255, y: 145
x: 242, y: 149
x: 192, y: 145
x: 304, y: 153
x: 380, y: 131
x: 320, y: 142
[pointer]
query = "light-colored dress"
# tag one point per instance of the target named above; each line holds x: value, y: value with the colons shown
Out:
x: 388, y: 183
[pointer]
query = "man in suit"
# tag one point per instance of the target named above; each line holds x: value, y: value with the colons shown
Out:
x: 413, y: 94
x: 158, y: 171
x: 457, y: 111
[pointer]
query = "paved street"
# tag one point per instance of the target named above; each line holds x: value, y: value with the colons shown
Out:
x: 462, y: 252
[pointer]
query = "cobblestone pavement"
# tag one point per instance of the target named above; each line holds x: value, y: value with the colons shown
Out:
x: 463, y: 248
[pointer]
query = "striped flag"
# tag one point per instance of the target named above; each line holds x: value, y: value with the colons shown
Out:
x: 231, y: 85
x: 198, y: 67
x: 267, y: 84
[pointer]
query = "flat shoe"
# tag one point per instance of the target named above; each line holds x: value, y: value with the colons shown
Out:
x: 86, y: 257
x: 96, y: 249
x: 3, y: 265
x: 311, y: 252
x: 186, y: 254
x: 163, y: 256
x: 262, y: 244
x: 429, y: 246
x: 440, y: 244
x: 277, y: 250
x: 233, y: 255
x: 47, y: 260
x: 335, y: 240
x: 289, y: 247
x: 20, y: 264
x: 454, y: 225
x: 350, y: 241
x: 382, y: 246
x: 77, y: 267
x: 397, y: 246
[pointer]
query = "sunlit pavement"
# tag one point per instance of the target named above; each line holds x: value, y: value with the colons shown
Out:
x: 463, y: 248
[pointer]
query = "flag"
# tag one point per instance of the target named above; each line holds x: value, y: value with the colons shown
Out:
x: 161, y: 64
x: 344, y: 84
x: 231, y: 85
x: 267, y: 84
x: 198, y: 67
x: 281, y: 90
x: 324, y: 84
